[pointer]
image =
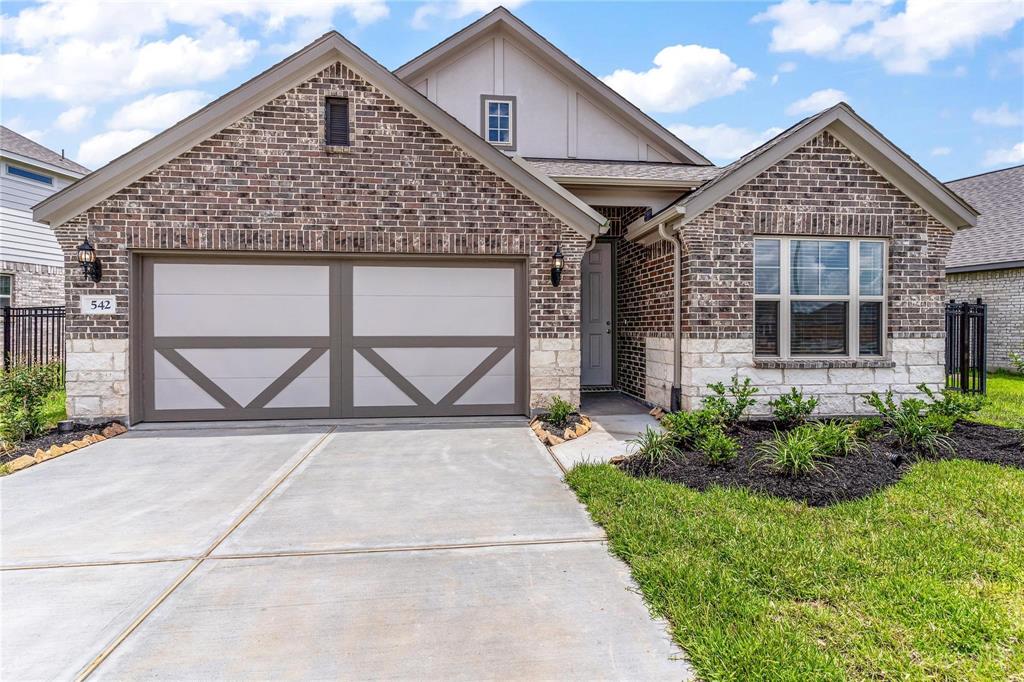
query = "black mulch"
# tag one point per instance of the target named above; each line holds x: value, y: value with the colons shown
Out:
x: 849, y: 478
x: 51, y: 437
x: 557, y: 428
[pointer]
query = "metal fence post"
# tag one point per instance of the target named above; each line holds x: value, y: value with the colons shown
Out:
x: 7, y: 337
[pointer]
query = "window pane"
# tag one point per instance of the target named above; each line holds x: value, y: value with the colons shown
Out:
x: 502, y: 136
x: 492, y: 121
x: 835, y: 282
x: 766, y: 266
x: 492, y: 108
x: 803, y: 253
x: 871, y: 328
x: 766, y: 281
x: 818, y: 328
x: 871, y: 283
x: 492, y: 136
x: 5, y: 285
x: 871, y: 268
x: 804, y: 282
x: 766, y: 327
x: 835, y: 255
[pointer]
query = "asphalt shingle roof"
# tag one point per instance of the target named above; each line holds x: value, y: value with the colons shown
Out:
x: 14, y: 143
x: 999, y: 235
x: 642, y: 170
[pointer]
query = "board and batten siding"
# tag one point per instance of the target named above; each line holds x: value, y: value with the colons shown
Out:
x: 22, y: 240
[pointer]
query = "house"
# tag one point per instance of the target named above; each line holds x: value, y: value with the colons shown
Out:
x: 31, y: 263
x: 988, y: 261
x: 482, y: 229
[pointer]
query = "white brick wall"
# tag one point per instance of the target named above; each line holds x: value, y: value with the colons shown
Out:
x: 1003, y: 291
x: 554, y: 370
x: 97, y: 378
x: 838, y: 389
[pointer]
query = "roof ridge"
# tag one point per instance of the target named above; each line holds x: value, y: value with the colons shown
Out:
x: 978, y: 175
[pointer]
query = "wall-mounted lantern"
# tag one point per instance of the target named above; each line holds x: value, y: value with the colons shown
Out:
x: 89, y: 262
x: 557, y: 264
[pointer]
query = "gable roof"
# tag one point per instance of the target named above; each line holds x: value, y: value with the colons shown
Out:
x: 998, y: 240
x: 857, y: 135
x: 588, y: 82
x: 304, y: 64
x: 20, y: 146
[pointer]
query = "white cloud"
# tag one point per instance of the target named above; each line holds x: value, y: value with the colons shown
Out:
x: 816, y: 101
x: 999, y: 157
x: 72, y: 50
x: 906, y: 41
x: 99, y: 149
x: 941, y: 151
x: 155, y: 112
x: 1002, y: 116
x: 683, y: 76
x: 787, y: 67
x: 71, y: 120
x: 721, y: 142
x: 421, y: 18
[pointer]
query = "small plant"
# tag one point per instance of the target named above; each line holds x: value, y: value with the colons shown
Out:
x: 952, y: 403
x: 792, y: 408
x: 559, y: 410
x: 942, y: 423
x: 23, y: 391
x: 889, y: 409
x: 911, y: 430
x: 794, y: 453
x: 1017, y: 360
x: 836, y: 438
x: 654, y: 447
x: 730, y: 403
x: 718, y: 447
x: 687, y: 427
x: 864, y: 428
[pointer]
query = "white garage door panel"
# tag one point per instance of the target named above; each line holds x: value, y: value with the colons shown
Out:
x: 497, y: 387
x: 250, y: 280
x: 448, y: 316
x: 432, y: 281
x: 216, y: 314
x: 174, y: 391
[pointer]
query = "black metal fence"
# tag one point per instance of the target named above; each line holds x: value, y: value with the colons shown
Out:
x: 965, y: 346
x: 33, y: 336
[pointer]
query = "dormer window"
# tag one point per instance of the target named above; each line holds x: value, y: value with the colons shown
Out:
x: 498, y: 120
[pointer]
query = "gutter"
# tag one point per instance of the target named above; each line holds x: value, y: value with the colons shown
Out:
x: 677, y: 370
x: 642, y: 230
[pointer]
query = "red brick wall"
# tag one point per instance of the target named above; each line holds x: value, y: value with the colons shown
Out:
x: 820, y: 189
x: 266, y: 183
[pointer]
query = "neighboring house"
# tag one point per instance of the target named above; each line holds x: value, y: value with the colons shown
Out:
x: 334, y: 239
x: 31, y: 262
x: 988, y: 261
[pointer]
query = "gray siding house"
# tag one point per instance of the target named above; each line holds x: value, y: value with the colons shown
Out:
x: 987, y: 262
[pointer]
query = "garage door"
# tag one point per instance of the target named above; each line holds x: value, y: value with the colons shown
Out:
x: 272, y: 339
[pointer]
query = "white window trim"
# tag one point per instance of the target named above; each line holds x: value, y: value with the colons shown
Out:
x: 510, y: 102
x: 854, y: 298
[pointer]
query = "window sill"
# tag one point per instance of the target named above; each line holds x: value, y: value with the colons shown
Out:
x: 822, y: 363
x: 338, y: 148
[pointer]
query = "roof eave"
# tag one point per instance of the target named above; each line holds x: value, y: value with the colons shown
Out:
x: 981, y: 267
x: 45, y: 165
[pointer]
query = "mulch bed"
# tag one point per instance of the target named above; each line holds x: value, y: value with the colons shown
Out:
x: 849, y: 478
x: 553, y: 433
x: 52, y: 437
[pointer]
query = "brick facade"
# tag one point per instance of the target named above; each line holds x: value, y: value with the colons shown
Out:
x: 1003, y: 291
x: 34, y: 284
x: 267, y: 184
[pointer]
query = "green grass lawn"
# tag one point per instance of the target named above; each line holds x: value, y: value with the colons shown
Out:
x: 1005, y: 405
x: 54, y: 408
x: 922, y: 581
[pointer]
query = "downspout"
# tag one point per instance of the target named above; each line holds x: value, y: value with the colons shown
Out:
x: 677, y: 369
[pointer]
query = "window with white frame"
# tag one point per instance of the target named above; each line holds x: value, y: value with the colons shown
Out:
x: 819, y: 297
x: 499, y: 124
x: 6, y: 287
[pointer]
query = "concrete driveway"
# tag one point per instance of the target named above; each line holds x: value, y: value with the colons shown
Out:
x: 357, y: 551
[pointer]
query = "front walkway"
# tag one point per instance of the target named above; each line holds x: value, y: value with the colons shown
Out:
x: 616, y: 418
x: 398, y: 550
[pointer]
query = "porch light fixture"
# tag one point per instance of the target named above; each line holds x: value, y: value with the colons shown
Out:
x: 557, y: 263
x: 87, y: 259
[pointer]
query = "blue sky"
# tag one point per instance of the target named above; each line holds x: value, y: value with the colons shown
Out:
x: 943, y: 80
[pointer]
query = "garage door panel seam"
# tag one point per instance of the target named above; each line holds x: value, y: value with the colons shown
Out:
x: 470, y: 379
x: 403, y: 384
x: 200, y: 379
x: 290, y: 375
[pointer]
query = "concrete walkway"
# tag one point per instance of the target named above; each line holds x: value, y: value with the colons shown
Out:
x: 399, y: 550
x: 616, y: 418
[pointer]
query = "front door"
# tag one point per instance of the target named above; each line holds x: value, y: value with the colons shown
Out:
x: 596, y: 329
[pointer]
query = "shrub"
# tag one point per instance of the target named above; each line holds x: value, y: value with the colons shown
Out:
x: 687, y: 427
x: 1017, y: 360
x: 559, y: 410
x: 792, y: 408
x: 942, y: 423
x: 889, y: 409
x: 836, y: 438
x: 911, y: 431
x: 864, y: 428
x: 717, y: 446
x: 730, y: 403
x: 23, y: 391
x: 794, y: 453
x: 952, y: 403
x: 654, y: 447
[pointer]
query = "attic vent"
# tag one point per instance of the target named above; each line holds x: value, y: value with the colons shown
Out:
x: 337, y: 122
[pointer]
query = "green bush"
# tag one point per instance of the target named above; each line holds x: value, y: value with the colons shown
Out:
x: 942, y: 423
x: 952, y: 403
x: 1017, y: 360
x: 717, y: 446
x: 794, y: 453
x: 730, y: 403
x: 911, y: 430
x: 654, y: 447
x: 792, y: 408
x: 687, y: 427
x: 836, y: 438
x: 558, y: 410
x: 23, y: 391
x: 867, y: 427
